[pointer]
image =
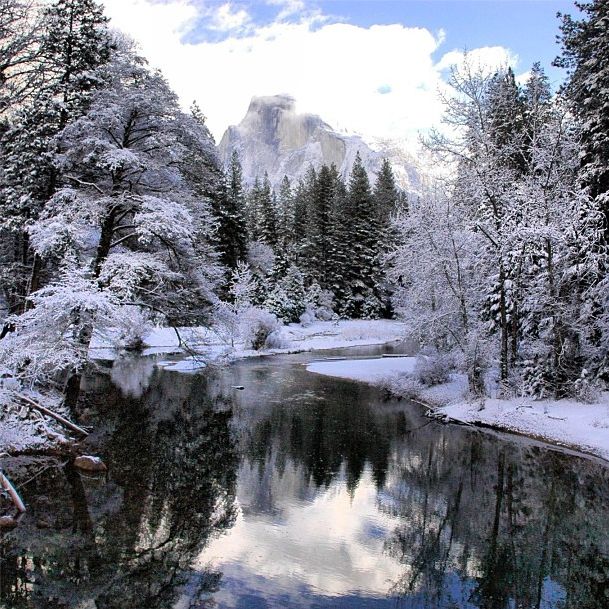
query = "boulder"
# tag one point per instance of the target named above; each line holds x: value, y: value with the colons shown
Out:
x: 7, y: 522
x: 88, y: 463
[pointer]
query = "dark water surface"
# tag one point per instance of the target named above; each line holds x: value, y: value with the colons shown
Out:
x: 300, y: 491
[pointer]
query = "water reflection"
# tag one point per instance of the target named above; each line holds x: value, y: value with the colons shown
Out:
x: 129, y: 541
x: 304, y: 492
x: 349, y: 501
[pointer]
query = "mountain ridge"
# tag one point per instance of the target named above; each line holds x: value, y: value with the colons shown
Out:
x: 274, y: 138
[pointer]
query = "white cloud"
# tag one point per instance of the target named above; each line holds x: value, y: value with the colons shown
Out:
x: 288, y: 7
x: 485, y: 59
x: 379, y: 81
x: 226, y: 18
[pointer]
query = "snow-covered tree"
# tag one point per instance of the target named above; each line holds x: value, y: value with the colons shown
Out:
x: 233, y: 231
x: 127, y: 212
x: 72, y: 43
x: 585, y: 55
x: 288, y: 298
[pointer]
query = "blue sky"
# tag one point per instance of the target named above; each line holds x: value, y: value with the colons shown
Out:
x: 374, y: 67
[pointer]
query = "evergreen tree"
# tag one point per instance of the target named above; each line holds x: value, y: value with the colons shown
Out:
x: 288, y: 299
x: 285, y: 213
x: 231, y: 234
x: 262, y: 212
x: 76, y: 41
x: 585, y: 54
x: 319, y: 226
x: 302, y: 204
x: 386, y: 193
x: 268, y: 228
x: 362, y: 273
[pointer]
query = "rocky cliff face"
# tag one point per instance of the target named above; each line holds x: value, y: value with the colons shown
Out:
x: 273, y: 137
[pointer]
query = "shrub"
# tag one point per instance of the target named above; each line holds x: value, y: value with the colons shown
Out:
x: 401, y: 386
x: 258, y: 327
x: 433, y: 369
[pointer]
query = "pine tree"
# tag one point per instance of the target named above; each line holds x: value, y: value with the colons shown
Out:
x: 585, y: 54
x: 319, y: 226
x: 363, y: 270
x: 285, y: 213
x: 386, y: 193
x: 268, y: 213
x: 76, y: 41
x: 288, y: 298
x: 236, y: 204
x: 302, y: 203
x: 231, y: 235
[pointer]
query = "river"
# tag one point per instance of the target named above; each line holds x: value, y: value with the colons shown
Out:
x: 300, y: 491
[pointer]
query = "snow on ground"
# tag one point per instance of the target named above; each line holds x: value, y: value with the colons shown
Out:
x: 294, y: 338
x: 564, y: 422
x: 22, y: 428
x: 584, y: 427
x: 366, y: 370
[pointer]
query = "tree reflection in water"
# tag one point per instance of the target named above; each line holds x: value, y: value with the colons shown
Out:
x: 484, y: 521
x: 452, y: 518
x: 129, y: 541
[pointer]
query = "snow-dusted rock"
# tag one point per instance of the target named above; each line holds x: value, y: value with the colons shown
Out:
x: 275, y: 138
x: 90, y: 464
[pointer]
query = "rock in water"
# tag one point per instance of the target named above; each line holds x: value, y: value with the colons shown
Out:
x: 90, y: 464
x: 7, y: 522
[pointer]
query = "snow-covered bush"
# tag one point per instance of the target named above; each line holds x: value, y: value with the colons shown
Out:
x: 243, y: 287
x: 225, y: 322
x: 433, y: 369
x: 308, y: 317
x: 325, y: 306
x: 275, y: 340
x: 402, y: 386
x: 260, y: 257
x: 258, y: 328
x: 288, y: 300
x: 319, y: 303
x: 585, y: 389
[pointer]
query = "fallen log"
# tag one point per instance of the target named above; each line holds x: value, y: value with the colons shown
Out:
x: 10, y: 489
x: 50, y: 413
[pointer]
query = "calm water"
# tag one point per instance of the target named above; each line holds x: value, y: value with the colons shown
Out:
x: 300, y: 492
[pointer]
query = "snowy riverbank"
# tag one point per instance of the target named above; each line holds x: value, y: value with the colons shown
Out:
x: 584, y: 427
x: 22, y: 429
x: 205, y: 344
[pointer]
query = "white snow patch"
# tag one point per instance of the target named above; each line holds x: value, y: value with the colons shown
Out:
x: 208, y: 344
x: 563, y: 422
x: 365, y: 370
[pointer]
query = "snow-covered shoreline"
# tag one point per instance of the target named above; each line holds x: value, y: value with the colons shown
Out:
x: 205, y: 345
x: 564, y: 423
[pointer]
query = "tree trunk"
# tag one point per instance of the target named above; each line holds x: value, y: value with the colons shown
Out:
x: 34, y: 282
x: 504, y: 362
